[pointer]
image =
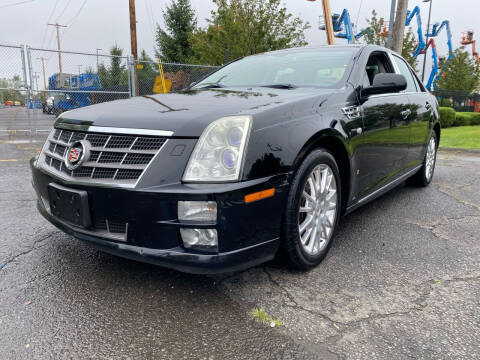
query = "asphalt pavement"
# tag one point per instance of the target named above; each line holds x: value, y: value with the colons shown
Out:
x: 402, y: 280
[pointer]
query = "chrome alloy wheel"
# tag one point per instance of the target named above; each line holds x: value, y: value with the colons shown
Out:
x: 318, y: 210
x: 430, y: 158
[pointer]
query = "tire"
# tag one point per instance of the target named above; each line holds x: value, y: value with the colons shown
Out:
x: 305, y: 254
x: 424, y: 176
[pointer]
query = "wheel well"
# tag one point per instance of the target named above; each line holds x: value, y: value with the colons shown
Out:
x: 436, y: 128
x: 336, y: 147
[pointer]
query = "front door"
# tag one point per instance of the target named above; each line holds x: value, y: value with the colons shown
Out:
x: 383, y: 150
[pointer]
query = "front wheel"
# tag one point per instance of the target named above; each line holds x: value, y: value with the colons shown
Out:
x: 424, y: 176
x: 313, y: 209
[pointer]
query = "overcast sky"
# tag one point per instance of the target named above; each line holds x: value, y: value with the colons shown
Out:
x: 102, y: 23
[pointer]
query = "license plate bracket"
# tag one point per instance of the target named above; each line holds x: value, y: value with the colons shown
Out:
x: 69, y: 204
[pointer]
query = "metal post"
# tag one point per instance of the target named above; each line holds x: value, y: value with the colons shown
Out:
x: 27, y: 73
x: 426, y: 42
x: 24, y: 67
x: 131, y: 75
x: 390, y: 25
x: 97, y: 58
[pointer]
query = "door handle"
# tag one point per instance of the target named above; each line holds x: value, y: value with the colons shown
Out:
x: 428, y: 106
x: 406, y: 113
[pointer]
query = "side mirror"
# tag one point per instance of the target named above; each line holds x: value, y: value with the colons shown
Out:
x: 385, y: 83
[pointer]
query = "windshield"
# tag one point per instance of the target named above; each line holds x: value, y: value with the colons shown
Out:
x: 319, y: 68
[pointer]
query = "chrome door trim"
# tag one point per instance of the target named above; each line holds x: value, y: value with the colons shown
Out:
x: 393, y: 182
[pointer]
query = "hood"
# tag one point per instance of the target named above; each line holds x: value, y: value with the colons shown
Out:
x: 186, y: 113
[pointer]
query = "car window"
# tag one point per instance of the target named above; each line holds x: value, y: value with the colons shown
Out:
x: 405, y: 71
x: 319, y: 68
x: 377, y: 63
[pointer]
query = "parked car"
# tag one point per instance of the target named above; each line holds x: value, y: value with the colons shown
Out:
x: 264, y: 155
x: 48, y: 106
x: 9, y: 103
x: 17, y: 103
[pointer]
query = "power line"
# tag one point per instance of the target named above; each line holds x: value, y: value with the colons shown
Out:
x: 17, y: 3
x: 150, y: 21
x: 358, y: 15
x: 70, y: 23
x: 49, y: 18
x: 63, y: 11
x: 73, y: 20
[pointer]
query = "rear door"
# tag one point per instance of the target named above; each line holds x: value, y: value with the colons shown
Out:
x: 420, y: 109
x: 382, y: 150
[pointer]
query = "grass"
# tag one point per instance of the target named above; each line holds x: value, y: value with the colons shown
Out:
x: 261, y: 315
x: 462, y: 137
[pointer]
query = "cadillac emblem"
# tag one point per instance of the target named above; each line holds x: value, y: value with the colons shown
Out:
x: 76, y: 154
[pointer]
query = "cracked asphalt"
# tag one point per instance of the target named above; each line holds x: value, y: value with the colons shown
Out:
x: 402, y: 280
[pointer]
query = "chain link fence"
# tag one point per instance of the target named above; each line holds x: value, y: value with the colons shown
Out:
x: 459, y: 100
x: 13, y: 91
x: 176, y: 76
x: 36, y: 85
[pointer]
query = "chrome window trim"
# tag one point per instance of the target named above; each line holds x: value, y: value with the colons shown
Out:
x: 113, y: 130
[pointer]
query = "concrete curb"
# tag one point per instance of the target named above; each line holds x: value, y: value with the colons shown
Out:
x: 460, y: 151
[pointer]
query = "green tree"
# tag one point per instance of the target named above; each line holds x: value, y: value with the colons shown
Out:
x: 180, y: 22
x: 378, y: 36
x: 243, y: 27
x: 115, y: 75
x: 12, y: 94
x: 460, y: 73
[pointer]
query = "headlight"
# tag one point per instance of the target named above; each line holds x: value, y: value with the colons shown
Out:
x: 218, y: 155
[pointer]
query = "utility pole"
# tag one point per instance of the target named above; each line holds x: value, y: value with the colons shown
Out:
x: 36, y: 76
x: 133, y: 41
x: 399, y: 26
x: 327, y: 14
x: 57, y: 25
x: 97, y: 58
x: 43, y: 67
x: 390, y: 24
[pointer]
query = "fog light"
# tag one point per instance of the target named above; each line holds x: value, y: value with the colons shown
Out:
x: 206, y: 239
x: 197, y: 210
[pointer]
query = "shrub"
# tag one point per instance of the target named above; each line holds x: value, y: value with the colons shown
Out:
x: 462, y: 119
x: 447, y: 116
x: 466, y: 118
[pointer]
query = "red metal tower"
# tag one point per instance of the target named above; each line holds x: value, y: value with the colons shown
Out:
x: 467, y: 39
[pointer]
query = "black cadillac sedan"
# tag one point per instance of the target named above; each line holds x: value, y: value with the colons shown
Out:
x: 262, y: 156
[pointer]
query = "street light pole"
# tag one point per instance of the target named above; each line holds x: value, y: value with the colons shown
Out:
x: 428, y: 29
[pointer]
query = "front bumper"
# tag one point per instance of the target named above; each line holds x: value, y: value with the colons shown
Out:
x: 248, y: 234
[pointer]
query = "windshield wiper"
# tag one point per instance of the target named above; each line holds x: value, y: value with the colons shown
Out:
x: 281, y: 86
x: 212, y: 86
